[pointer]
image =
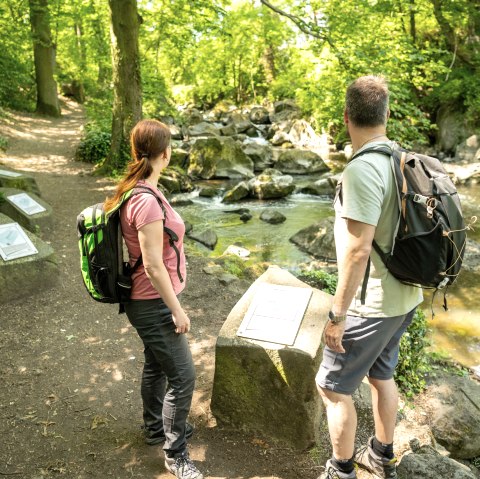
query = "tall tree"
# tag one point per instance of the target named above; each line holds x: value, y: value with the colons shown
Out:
x: 44, y: 58
x: 127, y: 90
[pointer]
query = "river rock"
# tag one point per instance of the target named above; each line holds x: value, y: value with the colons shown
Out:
x: 237, y: 193
x: 227, y: 278
x: 220, y: 157
x: 317, y: 239
x: 192, y: 116
x: 321, y: 187
x: 259, y: 115
x: 298, y: 161
x: 237, y: 251
x: 179, y: 158
x: 209, y: 191
x: 285, y: 110
x: 240, y: 122
x: 203, y: 129
x: 228, y: 130
x: 463, y: 174
x: 175, y: 131
x: 260, y: 154
x: 454, y: 412
x: 431, y: 465
x: 471, y: 260
x: 206, y: 237
x: 450, y: 128
x: 271, y: 184
x: 469, y: 150
x: 246, y: 217
x: 273, y: 217
x: 175, y: 180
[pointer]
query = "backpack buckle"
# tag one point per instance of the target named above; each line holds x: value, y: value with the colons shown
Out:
x: 443, y: 283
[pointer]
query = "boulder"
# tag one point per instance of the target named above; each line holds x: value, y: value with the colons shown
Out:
x: 259, y: 115
x: 237, y: 193
x: 317, y: 239
x: 228, y: 130
x: 321, y: 187
x: 258, y: 384
x: 298, y: 161
x: 19, y: 180
x: 227, y: 278
x: 469, y: 150
x: 219, y: 158
x: 206, y: 237
x: 260, y: 154
x: 209, y: 191
x: 175, y: 131
x: 471, y: 260
x: 451, y: 128
x: 36, y: 222
x: 271, y: 184
x: 431, y: 465
x: 299, y: 133
x: 179, y: 158
x: 203, y: 129
x: 240, y: 122
x: 285, y: 110
x: 463, y: 174
x: 25, y: 276
x: 192, y: 116
x: 273, y: 217
x: 175, y: 180
x: 454, y: 413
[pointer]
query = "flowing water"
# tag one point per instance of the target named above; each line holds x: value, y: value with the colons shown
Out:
x: 455, y: 332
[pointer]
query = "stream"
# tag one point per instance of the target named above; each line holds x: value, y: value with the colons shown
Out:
x: 454, y: 333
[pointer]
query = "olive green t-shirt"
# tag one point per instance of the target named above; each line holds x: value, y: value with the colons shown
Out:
x: 369, y: 195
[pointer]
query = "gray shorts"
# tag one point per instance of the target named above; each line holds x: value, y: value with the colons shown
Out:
x: 371, y: 348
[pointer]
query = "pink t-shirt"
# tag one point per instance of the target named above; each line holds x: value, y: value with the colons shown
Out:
x: 139, y: 211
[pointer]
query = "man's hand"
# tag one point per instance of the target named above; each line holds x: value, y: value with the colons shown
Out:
x: 333, y: 335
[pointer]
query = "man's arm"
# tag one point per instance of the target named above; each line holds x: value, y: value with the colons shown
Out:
x: 351, y: 271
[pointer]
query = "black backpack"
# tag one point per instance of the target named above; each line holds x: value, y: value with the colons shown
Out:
x: 431, y: 236
x: 105, y: 273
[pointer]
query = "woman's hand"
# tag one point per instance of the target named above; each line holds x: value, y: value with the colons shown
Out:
x: 181, y: 321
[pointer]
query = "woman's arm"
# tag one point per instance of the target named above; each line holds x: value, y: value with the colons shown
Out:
x: 150, y: 237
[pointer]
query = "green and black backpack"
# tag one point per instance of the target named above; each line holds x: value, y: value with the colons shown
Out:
x: 105, y: 272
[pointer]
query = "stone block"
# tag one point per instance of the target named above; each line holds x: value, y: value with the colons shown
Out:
x: 28, y: 275
x: 21, y: 181
x: 268, y: 387
x: 34, y: 223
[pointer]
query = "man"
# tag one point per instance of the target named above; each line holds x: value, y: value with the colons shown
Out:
x: 363, y: 339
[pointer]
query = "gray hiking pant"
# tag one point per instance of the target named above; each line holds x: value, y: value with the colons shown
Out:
x: 168, y: 377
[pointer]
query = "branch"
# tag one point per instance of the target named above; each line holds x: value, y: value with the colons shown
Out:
x: 310, y: 29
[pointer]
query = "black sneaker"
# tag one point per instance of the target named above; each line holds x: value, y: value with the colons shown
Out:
x: 331, y: 472
x: 380, y: 467
x: 182, y: 467
x: 152, y: 439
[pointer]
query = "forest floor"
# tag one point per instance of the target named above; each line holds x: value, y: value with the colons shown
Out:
x: 70, y: 368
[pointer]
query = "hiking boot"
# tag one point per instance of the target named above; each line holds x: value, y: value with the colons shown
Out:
x: 153, y: 439
x: 182, y: 467
x: 380, y: 467
x: 331, y: 472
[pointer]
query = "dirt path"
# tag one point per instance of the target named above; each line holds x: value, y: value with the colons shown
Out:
x: 70, y: 368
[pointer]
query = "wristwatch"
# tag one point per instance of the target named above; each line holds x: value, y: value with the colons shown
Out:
x: 335, y: 319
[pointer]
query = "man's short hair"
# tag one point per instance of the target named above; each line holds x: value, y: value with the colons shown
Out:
x: 367, y: 101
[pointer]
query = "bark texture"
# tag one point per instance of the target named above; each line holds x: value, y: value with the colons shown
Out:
x: 44, y: 58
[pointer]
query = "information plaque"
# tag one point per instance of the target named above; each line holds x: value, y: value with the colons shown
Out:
x: 14, y: 242
x: 13, y: 174
x: 275, y: 313
x: 26, y: 203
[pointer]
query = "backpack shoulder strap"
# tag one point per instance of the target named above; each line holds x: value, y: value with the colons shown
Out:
x: 143, y: 189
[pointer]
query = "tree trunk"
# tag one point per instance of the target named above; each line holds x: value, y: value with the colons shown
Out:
x: 44, y: 58
x: 127, y: 91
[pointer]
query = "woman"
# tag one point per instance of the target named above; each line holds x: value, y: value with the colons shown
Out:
x: 154, y: 310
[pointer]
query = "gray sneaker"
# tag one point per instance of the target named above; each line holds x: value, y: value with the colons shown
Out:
x: 182, y: 467
x: 331, y: 472
x: 380, y: 467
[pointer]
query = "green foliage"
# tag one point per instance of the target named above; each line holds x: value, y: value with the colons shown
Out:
x: 94, y: 146
x: 414, y: 360
x: 320, y: 279
x: 3, y: 143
